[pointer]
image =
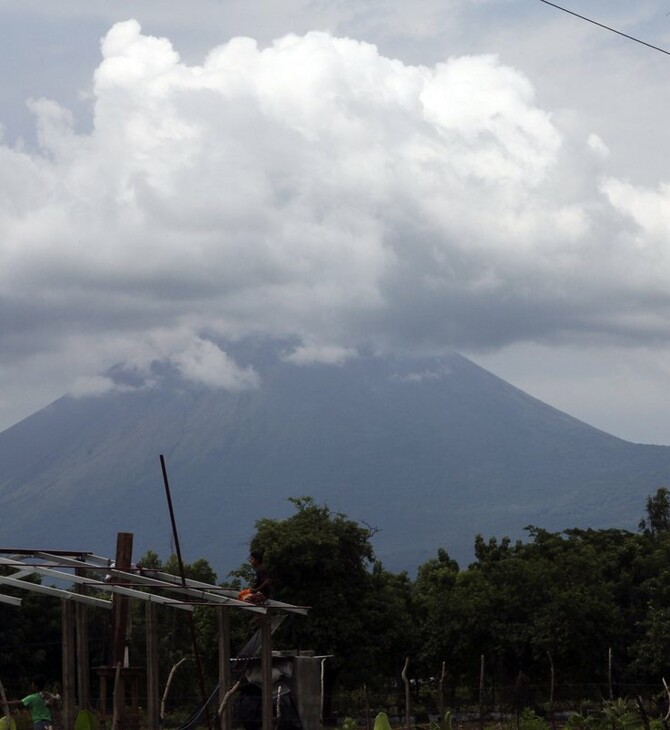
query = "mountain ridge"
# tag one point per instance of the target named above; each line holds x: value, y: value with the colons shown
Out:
x: 430, y: 451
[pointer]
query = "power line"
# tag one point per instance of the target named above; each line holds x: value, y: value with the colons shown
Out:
x: 606, y: 27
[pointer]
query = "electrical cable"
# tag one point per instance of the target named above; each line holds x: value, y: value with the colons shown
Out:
x: 606, y: 27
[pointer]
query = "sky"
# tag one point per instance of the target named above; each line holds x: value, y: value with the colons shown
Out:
x: 482, y: 176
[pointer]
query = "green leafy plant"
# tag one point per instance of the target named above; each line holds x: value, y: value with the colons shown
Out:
x: 349, y: 723
x: 529, y: 720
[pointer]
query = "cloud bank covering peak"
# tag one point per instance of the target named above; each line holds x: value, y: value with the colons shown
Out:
x: 317, y: 190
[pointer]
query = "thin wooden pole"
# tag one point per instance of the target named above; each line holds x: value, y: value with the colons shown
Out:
x: 481, y: 691
x: 117, y: 699
x: 440, y: 696
x: 406, y: 682
x: 68, y: 662
x: 153, y: 684
x: 609, y: 672
x: 266, y: 670
x: 5, y: 707
x: 83, y: 660
x: 322, y: 698
x: 168, y: 684
x: 194, y: 639
x: 552, y: 719
x: 223, y: 705
x: 225, y: 674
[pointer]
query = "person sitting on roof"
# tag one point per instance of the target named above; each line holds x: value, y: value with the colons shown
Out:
x: 262, y: 585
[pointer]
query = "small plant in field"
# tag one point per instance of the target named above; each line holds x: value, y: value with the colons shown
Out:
x: 349, y: 723
x: 577, y: 721
x: 447, y: 722
x: 619, y: 713
x: 616, y: 714
x: 530, y: 721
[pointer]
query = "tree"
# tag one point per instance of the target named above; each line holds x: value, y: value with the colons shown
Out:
x: 322, y: 559
x: 434, y: 601
x: 658, y: 513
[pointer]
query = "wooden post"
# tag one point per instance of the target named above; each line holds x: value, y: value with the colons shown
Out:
x: 153, y: 684
x: 118, y: 699
x: 552, y: 718
x: 266, y: 670
x: 366, y: 696
x: 481, y: 692
x: 609, y: 673
x: 102, y: 706
x: 124, y: 551
x: 225, y: 675
x: 407, y: 696
x: 120, y: 611
x: 5, y: 707
x: 440, y: 696
x: 83, y: 666
x: 68, y: 663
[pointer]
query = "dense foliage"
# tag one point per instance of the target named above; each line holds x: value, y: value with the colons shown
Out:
x: 568, y: 600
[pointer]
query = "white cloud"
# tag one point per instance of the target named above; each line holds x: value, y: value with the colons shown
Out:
x: 315, y: 188
x: 93, y: 385
x: 597, y: 146
x: 325, y: 354
x: 205, y: 363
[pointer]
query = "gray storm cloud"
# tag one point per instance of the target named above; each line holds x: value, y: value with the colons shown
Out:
x: 314, y: 189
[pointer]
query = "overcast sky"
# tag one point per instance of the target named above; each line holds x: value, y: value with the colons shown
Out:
x: 484, y: 176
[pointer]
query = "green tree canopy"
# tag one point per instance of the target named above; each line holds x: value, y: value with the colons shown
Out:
x: 324, y: 560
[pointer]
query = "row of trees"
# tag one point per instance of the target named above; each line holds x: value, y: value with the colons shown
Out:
x: 565, y: 600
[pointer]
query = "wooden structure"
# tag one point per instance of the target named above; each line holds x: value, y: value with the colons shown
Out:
x: 83, y: 570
